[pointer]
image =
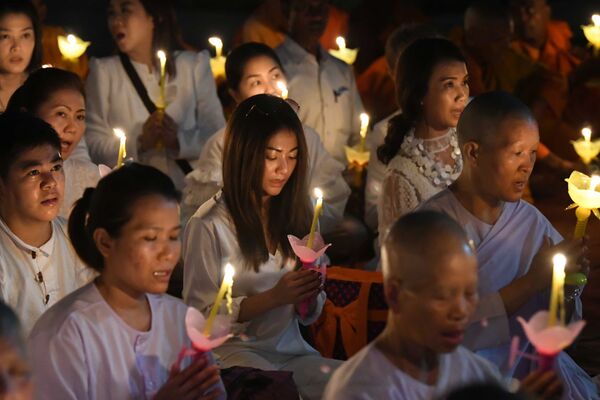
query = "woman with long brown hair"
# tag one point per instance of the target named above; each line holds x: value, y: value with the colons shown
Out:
x: 264, y: 198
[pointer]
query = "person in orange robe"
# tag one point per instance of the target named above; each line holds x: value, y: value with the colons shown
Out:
x: 542, y: 39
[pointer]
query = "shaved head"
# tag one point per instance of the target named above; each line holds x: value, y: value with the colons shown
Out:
x: 486, y: 113
x: 417, y: 242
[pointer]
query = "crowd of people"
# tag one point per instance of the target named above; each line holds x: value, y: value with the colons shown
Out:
x: 89, y: 247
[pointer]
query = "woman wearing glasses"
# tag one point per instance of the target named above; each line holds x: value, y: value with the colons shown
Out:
x: 264, y: 198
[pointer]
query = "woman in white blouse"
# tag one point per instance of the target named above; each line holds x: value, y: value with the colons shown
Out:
x: 168, y: 139
x: 264, y: 198
x: 421, y: 147
x: 254, y: 68
x: 119, y: 337
x: 57, y: 97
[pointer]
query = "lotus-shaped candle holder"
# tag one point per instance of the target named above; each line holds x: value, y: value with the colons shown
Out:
x: 358, y: 156
x: 549, y: 340
x: 194, y: 325
x: 583, y: 190
x: 587, y: 150
x: 592, y: 33
x: 343, y: 53
x: 71, y: 47
x: 308, y: 256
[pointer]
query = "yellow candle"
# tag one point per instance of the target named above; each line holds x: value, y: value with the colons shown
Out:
x: 587, y: 134
x: 313, y: 226
x: 364, y: 125
x: 557, y: 295
x: 283, y: 89
x: 225, y: 288
x: 218, y: 45
x: 122, y: 152
x: 162, y: 58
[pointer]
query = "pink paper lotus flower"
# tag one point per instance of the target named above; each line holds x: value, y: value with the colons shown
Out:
x: 306, y: 254
x: 549, y: 340
x: 194, y: 324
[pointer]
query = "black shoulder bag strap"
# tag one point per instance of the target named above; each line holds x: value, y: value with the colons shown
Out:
x: 183, y: 164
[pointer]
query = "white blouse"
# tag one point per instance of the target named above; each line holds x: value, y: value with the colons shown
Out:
x: 324, y: 172
x: 79, y: 175
x: 82, y: 349
x: 415, y: 174
x: 209, y: 242
x: 112, y: 102
x: 20, y: 265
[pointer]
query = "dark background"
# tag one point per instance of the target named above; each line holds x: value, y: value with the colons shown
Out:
x: 200, y: 19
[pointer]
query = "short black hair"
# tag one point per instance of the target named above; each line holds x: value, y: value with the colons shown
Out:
x: 27, y: 8
x: 19, y: 132
x: 484, y: 114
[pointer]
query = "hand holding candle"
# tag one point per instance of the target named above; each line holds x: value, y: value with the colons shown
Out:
x: 313, y: 226
x: 122, y: 150
x: 557, y: 296
x: 224, y: 290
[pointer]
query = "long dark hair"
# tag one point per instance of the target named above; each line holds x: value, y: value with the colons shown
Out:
x: 110, y: 206
x: 40, y: 86
x: 26, y: 8
x: 241, y: 55
x: 252, y: 124
x: 413, y: 70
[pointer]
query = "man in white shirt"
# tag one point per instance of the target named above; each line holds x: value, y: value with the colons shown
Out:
x: 324, y: 86
x: 37, y: 263
x: 430, y: 284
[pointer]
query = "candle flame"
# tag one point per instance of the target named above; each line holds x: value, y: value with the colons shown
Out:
x: 318, y: 193
x: 587, y: 133
x: 72, y: 39
x: 229, y: 273
x: 341, y: 42
x: 283, y: 89
x: 594, y: 182
x: 364, y: 123
x: 596, y: 19
x: 162, y: 56
x: 560, y: 261
x: 119, y: 133
x: 47, y: 65
x: 215, y: 41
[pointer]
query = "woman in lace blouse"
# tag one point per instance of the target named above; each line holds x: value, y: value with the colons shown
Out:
x: 421, y: 148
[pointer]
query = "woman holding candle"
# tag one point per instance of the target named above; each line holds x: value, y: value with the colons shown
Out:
x: 167, y: 136
x: 118, y: 336
x: 57, y: 97
x: 421, y: 148
x: 20, y: 46
x: 264, y: 199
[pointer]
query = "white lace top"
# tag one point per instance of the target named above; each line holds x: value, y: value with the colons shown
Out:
x: 415, y: 174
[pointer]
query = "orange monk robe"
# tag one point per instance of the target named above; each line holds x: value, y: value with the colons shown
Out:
x: 376, y: 89
x: 337, y: 25
x: 556, y: 53
x: 51, y: 53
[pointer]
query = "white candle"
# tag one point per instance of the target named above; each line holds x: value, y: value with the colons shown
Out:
x: 587, y: 134
x: 313, y: 226
x: 122, y: 151
x: 223, y: 290
x: 364, y: 125
x: 557, y: 295
x: 341, y: 42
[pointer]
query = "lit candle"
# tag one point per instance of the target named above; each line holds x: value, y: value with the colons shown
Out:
x: 218, y: 45
x: 587, y: 134
x: 283, y: 89
x: 71, y: 47
x: 557, y: 295
x: 313, y: 226
x: 343, y: 53
x: 225, y: 289
x: 162, y: 58
x: 341, y: 42
x: 364, y: 125
x: 592, y: 32
x: 122, y: 152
